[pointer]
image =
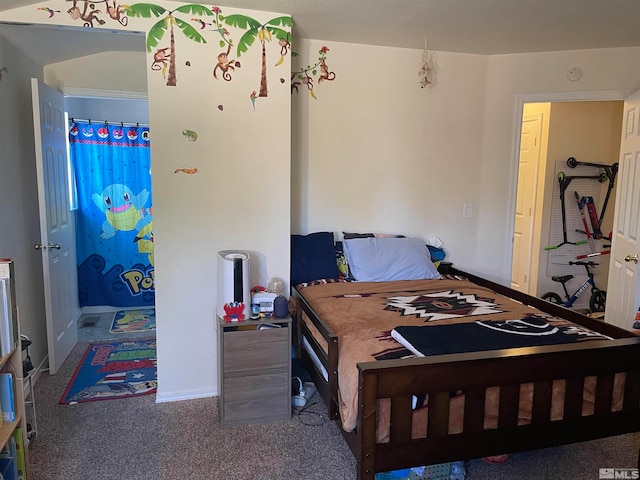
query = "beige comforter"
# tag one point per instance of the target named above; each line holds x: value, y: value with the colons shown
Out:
x: 362, y: 314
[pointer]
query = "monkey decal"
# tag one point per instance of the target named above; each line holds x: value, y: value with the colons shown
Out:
x: 326, y: 74
x: 224, y: 64
x: 161, y: 60
x: 116, y: 11
x: 285, y: 44
x: 88, y: 14
x: 303, y: 76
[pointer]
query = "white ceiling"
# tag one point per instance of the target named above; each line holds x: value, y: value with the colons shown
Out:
x: 469, y: 26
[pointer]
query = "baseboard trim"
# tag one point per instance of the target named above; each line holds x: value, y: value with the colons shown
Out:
x: 189, y: 395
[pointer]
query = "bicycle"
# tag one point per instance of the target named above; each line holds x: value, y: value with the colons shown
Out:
x: 598, y: 297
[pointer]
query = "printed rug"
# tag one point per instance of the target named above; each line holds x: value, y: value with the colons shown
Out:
x: 111, y: 370
x: 130, y: 321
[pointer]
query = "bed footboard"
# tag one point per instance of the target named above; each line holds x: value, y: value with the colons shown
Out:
x: 472, y: 374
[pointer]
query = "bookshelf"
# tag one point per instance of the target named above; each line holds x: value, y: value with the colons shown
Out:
x: 14, y: 431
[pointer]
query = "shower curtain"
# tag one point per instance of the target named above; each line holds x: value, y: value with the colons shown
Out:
x: 112, y: 167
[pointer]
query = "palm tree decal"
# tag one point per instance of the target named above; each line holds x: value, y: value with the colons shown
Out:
x: 160, y: 58
x: 263, y: 32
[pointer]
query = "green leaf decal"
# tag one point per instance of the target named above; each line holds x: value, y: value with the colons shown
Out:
x: 155, y: 34
x: 284, y: 21
x: 279, y: 33
x: 194, y: 9
x: 246, y: 41
x: 145, y: 10
x: 242, y: 21
x: 190, y: 32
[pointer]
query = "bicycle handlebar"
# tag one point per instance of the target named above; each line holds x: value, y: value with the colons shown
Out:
x: 588, y: 264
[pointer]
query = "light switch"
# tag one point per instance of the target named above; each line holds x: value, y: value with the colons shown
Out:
x: 467, y: 210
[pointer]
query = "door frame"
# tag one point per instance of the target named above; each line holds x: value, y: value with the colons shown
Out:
x: 519, y: 101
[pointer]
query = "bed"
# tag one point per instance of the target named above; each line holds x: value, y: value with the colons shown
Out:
x: 403, y: 399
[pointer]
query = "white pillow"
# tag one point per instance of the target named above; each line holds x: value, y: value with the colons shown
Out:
x: 387, y: 259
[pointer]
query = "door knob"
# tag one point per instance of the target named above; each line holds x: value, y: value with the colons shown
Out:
x: 39, y: 246
x: 631, y: 258
x: 57, y: 246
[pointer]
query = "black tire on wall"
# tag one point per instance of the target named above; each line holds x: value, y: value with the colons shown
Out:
x: 598, y: 300
x: 552, y: 297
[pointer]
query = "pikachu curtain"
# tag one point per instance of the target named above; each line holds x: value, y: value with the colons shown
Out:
x: 112, y: 168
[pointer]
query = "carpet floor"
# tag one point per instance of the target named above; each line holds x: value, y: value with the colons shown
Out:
x: 138, y: 439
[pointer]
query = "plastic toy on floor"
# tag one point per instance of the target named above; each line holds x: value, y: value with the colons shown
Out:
x: 441, y: 471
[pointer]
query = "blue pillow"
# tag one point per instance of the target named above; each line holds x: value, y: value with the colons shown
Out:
x: 313, y: 257
x: 388, y: 259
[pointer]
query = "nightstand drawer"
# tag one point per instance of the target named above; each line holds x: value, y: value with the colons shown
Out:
x: 257, y: 399
x: 256, y: 350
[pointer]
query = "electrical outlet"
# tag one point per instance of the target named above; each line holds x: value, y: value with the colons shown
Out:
x: 467, y: 210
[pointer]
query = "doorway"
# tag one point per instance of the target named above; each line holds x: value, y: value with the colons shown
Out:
x: 101, y: 318
x: 589, y: 131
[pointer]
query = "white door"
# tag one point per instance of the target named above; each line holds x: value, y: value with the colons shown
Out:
x: 525, y: 202
x: 57, y: 229
x: 623, y: 296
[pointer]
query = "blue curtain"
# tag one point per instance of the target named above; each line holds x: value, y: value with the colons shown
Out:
x: 112, y: 167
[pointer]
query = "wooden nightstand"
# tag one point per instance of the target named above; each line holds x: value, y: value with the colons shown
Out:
x: 254, y: 371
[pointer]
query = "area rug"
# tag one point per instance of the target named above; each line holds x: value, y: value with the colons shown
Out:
x: 111, y: 370
x: 130, y: 321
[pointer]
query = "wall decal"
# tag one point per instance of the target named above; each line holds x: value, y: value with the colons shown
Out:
x: 190, y: 134
x: 157, y: 31
x: 2, y: 71
x: 50, y: 11
x: 305, y: 76
x: 253, y: 99
x: 224, y: 64
x: 188, y: 171
x: 220, y: 107
x: 88, y: 15
x: 198, y: 23
x: 264, y: 33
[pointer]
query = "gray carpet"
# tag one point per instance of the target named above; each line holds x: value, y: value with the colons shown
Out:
x: 137, y: 439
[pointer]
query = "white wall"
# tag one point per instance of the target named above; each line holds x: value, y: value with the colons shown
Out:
x: 375, y: 152
x: 110, y: 71
x: 19, y: 220
x: 111, y: 110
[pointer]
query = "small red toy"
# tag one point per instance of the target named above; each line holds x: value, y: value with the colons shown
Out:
x: 234, y: 312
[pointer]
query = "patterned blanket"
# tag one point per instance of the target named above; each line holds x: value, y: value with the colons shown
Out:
x: 364, y: 315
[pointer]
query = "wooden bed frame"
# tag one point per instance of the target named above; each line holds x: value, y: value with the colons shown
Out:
x: 473, y: 373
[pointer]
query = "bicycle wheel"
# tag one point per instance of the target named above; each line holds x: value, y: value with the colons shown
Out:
x: 598, y: 300
x: 552, y: 297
